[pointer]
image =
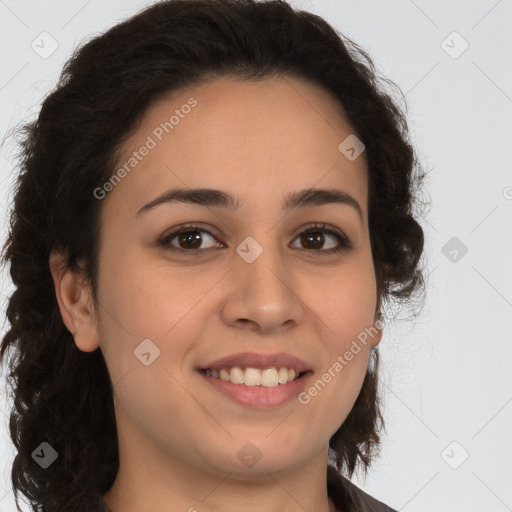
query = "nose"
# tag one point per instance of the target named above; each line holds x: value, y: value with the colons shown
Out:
x: 263, y: 294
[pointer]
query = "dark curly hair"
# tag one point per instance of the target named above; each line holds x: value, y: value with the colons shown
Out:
x: 63, y: 396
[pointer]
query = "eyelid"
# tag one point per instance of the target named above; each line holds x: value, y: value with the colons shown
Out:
x: 329, y: 228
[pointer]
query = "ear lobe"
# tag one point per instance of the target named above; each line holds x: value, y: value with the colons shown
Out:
x: 75, y: 303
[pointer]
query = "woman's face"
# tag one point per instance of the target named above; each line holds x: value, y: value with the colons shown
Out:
x: 243, y: 280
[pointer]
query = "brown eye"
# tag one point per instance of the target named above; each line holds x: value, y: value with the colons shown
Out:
x: 188, y: 239
x: 314, y: 239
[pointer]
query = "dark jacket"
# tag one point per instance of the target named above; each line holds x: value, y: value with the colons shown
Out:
x: 346, y: 496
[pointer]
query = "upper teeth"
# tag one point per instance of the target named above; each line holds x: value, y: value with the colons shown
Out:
x: 269, y: 377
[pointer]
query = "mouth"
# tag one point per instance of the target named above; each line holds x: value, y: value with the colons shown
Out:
x: 257, y: 380
x: 255, y: 377
x: 256, y: 388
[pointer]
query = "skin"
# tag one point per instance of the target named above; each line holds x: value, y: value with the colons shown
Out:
x: 179, y: 437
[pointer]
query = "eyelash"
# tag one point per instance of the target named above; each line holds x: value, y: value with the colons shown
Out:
x: 344, y: 242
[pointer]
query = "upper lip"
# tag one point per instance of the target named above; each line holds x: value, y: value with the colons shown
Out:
x: 259, y: 361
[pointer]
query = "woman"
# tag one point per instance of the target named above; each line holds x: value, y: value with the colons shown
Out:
x: 212, y: 208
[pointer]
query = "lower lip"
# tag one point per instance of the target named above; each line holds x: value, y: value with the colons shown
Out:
x: 259, y: 396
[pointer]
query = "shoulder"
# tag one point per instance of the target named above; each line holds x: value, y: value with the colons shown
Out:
x: 366, y: 503
x: 350, y: 498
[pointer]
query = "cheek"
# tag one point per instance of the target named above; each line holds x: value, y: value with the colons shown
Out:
x: 147, y: 299
x: 344, y: 306
x: 140, y: 305
x: 344, y: 300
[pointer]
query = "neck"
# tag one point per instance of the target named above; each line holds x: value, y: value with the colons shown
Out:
x: 147, y: 480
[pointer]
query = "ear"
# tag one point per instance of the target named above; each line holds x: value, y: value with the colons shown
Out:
x: 75, y: 303
x: 376, y: 330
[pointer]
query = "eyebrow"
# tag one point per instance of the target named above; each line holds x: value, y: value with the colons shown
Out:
x: 212, y: 197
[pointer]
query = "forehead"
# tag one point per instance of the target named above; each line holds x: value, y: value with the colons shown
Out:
x: 261, y: 139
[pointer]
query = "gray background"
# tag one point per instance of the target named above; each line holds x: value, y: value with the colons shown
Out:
x: 446, y: 375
